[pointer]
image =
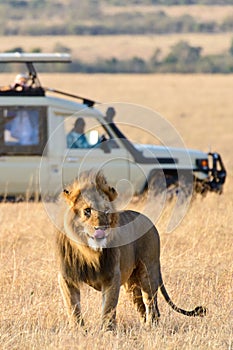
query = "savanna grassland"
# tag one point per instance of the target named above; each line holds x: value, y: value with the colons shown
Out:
x: 118, y: 46
x: 196, y: 257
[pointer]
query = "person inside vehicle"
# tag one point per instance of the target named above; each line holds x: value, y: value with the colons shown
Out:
x: 20, y: 82
x: 110, y: 113
x: 22, y: 128
x: 76, y: 138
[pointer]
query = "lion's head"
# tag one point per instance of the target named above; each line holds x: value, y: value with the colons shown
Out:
x: 91, y: 214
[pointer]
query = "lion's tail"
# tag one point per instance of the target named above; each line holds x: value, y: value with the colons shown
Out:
x: 198, y: 311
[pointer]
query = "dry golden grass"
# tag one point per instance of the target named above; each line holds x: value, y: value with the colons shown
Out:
x: 196, y: 258
x: 197, y: 268
x: 89, y: 48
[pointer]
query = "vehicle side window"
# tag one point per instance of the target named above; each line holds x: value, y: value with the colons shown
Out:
x: 23, y: 130
x: 86, y: 132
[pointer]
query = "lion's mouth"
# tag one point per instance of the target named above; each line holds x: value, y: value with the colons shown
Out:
x: 98, y: 240
x: 99, y: 234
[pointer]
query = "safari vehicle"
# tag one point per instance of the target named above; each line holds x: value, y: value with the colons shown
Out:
x: 31, y: 165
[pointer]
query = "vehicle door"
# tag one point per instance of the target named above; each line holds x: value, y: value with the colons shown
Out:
x: 23, y: 135
x: 96, y: 148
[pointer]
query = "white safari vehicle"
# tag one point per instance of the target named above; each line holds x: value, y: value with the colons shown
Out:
x: 36, y: 155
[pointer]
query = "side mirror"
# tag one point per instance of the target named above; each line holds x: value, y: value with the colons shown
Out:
x: 104, y: 145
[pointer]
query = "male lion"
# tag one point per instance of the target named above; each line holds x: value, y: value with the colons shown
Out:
x: 107, y: 249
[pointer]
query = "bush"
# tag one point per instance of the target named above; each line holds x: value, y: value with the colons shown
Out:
x: 15, y: 49
x: 227, y: 24
x: 184, y: 53
x: 36, y: 50
x: 58, y: 47
x: 231, y: 47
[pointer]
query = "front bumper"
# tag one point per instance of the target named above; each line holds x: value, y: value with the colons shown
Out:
x: 216, y: 176
x: 217, y: 173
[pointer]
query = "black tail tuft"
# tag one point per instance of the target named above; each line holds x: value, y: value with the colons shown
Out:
x: 199, y: 311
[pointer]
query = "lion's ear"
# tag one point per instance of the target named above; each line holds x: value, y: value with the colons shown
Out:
x: 67, y: 195
x: 102, y: 185
x: 71, y: 194
x: 112, y: 193
x: 66, y: 192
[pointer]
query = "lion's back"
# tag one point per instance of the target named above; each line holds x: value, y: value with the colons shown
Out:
x: 138, y: 230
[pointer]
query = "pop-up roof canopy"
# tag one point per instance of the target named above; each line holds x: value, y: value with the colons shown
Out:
x: 30, y: 58
x: 34, y: 57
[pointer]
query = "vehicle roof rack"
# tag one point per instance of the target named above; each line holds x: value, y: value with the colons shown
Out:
x: 34, y: 57
x: 30, y: 58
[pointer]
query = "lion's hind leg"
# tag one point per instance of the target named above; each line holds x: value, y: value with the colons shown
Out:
x: 71, y: 297
x: 149, y: 284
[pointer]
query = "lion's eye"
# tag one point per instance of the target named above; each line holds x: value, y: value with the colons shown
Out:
x: 87, y: 212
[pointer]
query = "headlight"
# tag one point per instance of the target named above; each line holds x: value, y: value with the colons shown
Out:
x: 202, y: 164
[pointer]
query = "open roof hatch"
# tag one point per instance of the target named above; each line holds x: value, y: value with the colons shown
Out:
x: 30, y: 58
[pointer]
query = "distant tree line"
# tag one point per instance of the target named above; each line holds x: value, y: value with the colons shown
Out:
x: 182, y: 58
x: 56, y: 17
x: 168, y: 2
x: 133, y: 24
x: 97, y: 3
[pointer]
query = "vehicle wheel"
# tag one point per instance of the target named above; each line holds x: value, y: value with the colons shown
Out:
x: 157, y: 182
x: 160, y: 182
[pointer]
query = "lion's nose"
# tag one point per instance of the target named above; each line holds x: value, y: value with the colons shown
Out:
x: 103, y: 228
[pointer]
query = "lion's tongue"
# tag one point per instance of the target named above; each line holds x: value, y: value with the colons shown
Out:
x: 99, y: 234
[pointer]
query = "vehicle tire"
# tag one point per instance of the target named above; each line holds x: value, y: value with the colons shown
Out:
x: 160, y: 181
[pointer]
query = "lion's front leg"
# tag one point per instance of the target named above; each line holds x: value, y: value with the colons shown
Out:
x: 71, y: 297
x: 110, y: 295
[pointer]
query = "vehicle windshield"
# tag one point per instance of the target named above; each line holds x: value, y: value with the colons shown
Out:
x: 138, y: 124
x: 87, y: 132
